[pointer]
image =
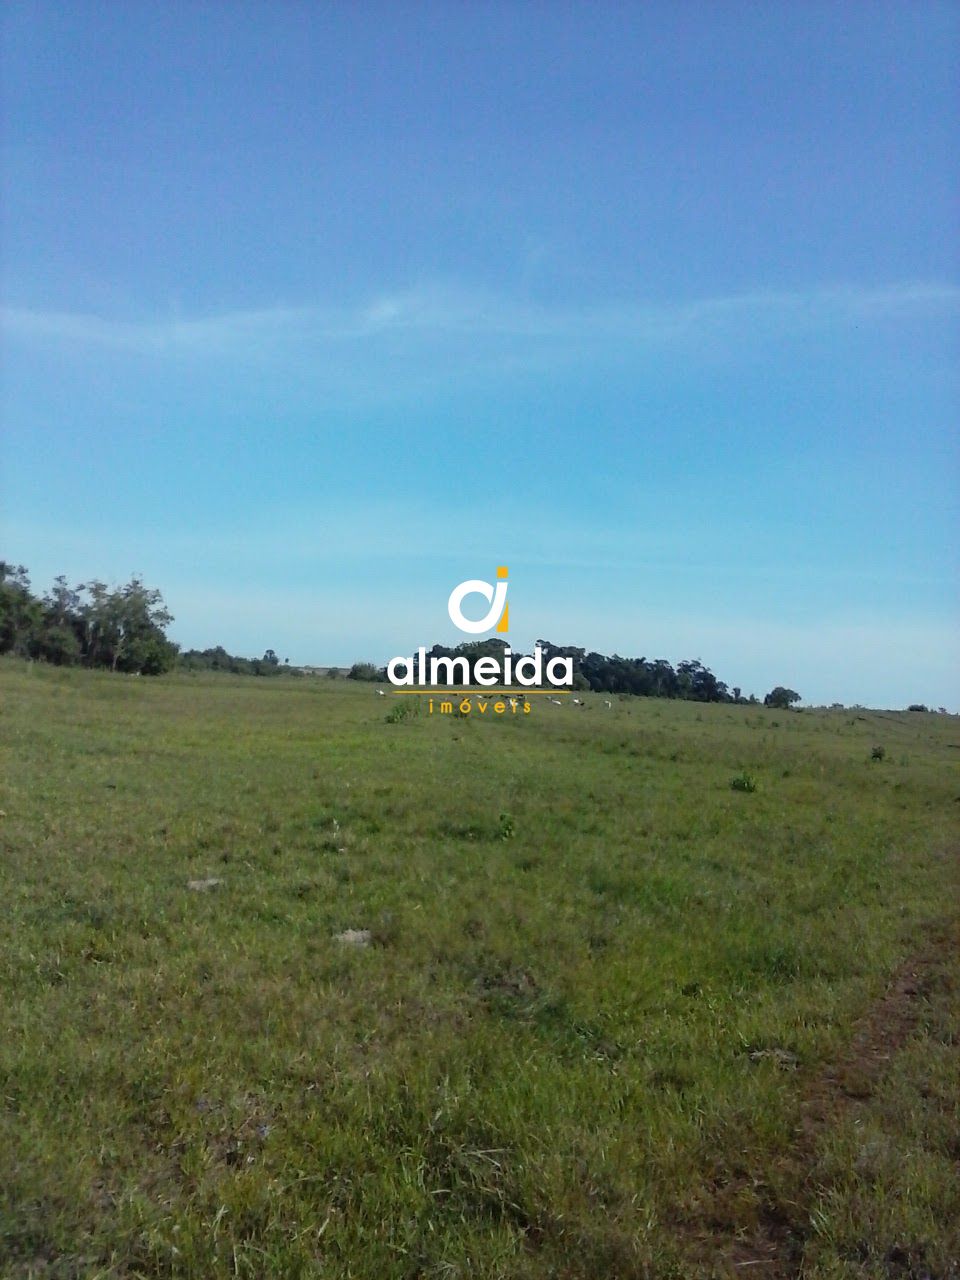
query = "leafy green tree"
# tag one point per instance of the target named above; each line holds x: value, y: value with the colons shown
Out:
x: 699, y: 683
x: 60, y: 638
x: 781, y: 698
x: 62, y: 603
x: 21, y: 615
x: 124, y: 629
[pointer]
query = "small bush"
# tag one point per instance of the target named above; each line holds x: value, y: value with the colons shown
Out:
x: 366, y: 671
x: 743, y: 781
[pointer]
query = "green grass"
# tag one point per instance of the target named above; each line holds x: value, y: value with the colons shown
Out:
x: 598, y: 983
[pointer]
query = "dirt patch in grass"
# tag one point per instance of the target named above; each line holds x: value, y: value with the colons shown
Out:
x: 772, y: 1247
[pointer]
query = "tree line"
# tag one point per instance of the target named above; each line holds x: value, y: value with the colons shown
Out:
x: 124, y: 629
x: 90, y: 625
x: 218, y: 659
x: 600, y: 673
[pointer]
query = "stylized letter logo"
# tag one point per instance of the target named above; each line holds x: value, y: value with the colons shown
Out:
x: 496, y: 598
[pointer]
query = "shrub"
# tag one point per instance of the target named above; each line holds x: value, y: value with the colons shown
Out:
x: 364, y: 671
x: 58, y: 645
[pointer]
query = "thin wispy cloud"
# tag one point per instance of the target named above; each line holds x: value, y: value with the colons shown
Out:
x: 441, y: 312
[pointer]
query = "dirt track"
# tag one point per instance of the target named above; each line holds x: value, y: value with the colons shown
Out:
x: 775, y: 1249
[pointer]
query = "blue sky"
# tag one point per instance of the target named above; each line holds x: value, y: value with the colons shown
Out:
x: 312, y: 311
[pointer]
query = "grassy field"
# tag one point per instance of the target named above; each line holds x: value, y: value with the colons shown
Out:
x: 614, y: 1017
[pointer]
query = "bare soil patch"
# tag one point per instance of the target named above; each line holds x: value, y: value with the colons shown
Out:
x: 773, y: 1249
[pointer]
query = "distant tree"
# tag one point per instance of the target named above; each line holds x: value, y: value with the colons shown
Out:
x: 216, y: 659
x: 142, y: 619
x: 699, y: 683
x: 665, y: 679
x: 781, y: 698
x: 271, y: 658
x: 365, y: 671
x: 124, y: 629
x: 21, y: 615
x: 62, y: 602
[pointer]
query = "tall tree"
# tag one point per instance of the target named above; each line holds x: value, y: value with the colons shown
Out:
x: 21, y: 615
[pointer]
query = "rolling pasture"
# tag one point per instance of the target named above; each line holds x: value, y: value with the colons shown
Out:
x: 291, y: 990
